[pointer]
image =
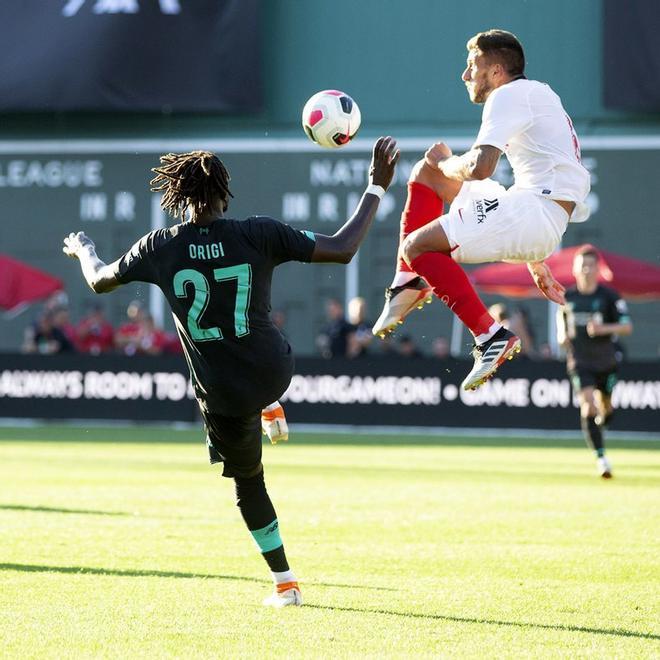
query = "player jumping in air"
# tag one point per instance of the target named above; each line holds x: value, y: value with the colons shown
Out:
x: 216, y: 273
x: 586, y: 327
x: 485, y: 222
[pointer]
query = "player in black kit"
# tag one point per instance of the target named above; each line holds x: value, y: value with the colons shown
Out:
x: 586, y: 327
x: 216, y: 275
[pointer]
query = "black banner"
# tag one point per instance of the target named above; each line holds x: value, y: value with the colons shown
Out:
x: 137, y: 55
x: 378, y: 392
x: 631, y: 59
x: 427, y: 392
x: 108, y: 387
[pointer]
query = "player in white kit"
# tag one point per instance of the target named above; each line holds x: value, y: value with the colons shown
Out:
x: 485, y: 222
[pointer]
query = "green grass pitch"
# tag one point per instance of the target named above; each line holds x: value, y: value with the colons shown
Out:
x: 124, y: 543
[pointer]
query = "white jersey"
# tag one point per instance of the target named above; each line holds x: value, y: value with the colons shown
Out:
x: 526, y: 120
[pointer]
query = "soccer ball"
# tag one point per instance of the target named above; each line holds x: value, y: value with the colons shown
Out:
x: 331, y: 118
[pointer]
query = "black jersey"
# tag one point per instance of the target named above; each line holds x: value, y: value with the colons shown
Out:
x: 604, y: 305
x: 217, y: 280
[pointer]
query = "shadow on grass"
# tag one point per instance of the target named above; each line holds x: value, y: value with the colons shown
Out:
x: 50, y: 509
x: 116, y: 572
x: 84, y: 570
x: 492, y: 622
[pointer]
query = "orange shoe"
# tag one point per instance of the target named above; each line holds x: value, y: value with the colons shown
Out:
x: 273, y: 423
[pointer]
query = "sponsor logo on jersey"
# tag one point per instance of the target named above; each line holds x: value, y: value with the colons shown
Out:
x: 479, y: 211
x: 484, y: 206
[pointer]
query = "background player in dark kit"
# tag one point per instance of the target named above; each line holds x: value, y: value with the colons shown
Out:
x: 216, y: 275
x: 586, y: 327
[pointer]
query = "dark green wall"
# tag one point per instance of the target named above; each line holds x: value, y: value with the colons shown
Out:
x: 401, y: 60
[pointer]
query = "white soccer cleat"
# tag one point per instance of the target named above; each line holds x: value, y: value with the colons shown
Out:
x: 503, y: 345
x: 285, y: 595
x: 273, y: 424
x: 399, y: 302
x: 604, y: 467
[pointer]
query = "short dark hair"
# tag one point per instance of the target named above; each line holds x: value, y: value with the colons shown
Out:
x: 191, y: 181
x: 502, y: 46
x: 587, y: 251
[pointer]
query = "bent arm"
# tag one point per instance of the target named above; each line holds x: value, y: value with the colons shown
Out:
x: 621, y: 329
x: 475, y: 165
x: 625, y: 329
x: 99, y: 275
x: 342, y: 246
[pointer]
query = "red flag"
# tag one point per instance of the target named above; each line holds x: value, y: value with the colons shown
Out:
x: 21, y: 284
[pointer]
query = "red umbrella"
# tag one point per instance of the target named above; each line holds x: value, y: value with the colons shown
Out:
x: 21, y: 284
x: 632, y: 278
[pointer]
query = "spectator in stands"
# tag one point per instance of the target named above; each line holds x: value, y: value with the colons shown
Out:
x: 94, y: 333
x: 44, y: 337
x: 440, y: 348
x: 61, y: 321
x: 545, y: 352
x: 361, y: 335
x: 332, y: 341
x: 408, y: 348
x: 127, y: 335
x: 521, y: 325
x: 172, y: 344
x: 517, y: 322
x: 150, y: 339
x: 56, y: 300
x: 387, y: 347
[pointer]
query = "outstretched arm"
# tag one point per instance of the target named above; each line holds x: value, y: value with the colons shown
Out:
x: 342, y: 246
x: 545, y: 281
x: 100, y: 276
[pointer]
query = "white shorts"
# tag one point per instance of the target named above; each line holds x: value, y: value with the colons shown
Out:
x: 487, y: 222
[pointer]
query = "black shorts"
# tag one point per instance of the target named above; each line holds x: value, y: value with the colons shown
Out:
x: 604, y: 381
x: 236, y: 442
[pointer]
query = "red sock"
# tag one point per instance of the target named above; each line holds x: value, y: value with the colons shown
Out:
x: 452, y: 286
x: 422, y: 205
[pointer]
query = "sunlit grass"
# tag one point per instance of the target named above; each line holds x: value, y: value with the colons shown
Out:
x: 125, y: 543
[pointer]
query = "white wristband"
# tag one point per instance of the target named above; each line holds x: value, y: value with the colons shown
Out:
x: 373, y: 189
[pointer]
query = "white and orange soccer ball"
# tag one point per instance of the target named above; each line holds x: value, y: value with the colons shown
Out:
x: 331, y: 118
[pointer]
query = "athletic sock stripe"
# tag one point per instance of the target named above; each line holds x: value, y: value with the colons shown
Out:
x: 267, y: 538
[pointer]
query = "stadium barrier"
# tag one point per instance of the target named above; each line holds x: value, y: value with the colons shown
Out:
x: 371, y: 392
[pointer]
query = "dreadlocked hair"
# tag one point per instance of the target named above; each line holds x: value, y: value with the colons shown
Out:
x: 191, y: 182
